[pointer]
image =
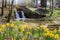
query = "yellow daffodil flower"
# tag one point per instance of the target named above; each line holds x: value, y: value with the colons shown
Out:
x: 50, y: 31
x: 3, y: 26
x: 55, y: 31
x: 28, y: 33
x: 22, y: 29
x: 26, y: 26
x: 47, y: 33
x: 23, y: 38
x: 43, y: 26
x: 51, y: 35
x: 7, y: 24
x: 56, y: 36
x: 46, y: 29
x: 12, y: 25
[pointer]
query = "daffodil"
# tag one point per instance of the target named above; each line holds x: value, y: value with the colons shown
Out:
x: 12, y: 25
x: 3, y: 26
x: 56, y: 36
x: 7, y: 24
x: 47, y: 33
x: 28, y: 33
x: 54, y: 30
x: 43, y: 26
x: 22, y: 29
x: 23, y: 38
x: 46, y: 29
x: 51, y: 35
x: 26, y: 26
x: 50, y: 31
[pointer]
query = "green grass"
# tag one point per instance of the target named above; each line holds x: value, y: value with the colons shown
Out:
x: 56, y: 13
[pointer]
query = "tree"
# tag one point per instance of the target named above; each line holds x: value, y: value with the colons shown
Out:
x: 5, y: 3
x: 43, y: 3
x: 50, y: 4
x: 52, y: 9
x: 10, y: 11
x: 2, y: 10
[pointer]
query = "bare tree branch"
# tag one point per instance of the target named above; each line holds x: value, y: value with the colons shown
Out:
x: 10, y: 11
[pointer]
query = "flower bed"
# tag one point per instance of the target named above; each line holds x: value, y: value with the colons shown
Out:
x: 11, y: 31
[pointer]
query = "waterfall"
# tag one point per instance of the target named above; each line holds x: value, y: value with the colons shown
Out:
x: 17, y: 16
x: 23, y: 16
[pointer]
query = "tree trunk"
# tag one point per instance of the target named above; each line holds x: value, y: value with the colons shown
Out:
x: 10, y: 11
x: 2, y: 10
x: 52, y: 9
x: 45, y: 7
x: 5, y: 3
x: 50, y: 4
x: 43, y: 3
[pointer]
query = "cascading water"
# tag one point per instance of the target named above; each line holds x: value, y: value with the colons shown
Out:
x: 17, y: 16
x: 23, y: 16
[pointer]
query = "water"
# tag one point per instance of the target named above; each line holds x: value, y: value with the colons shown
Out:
x: 18, y: 18
x: 23, y: 16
